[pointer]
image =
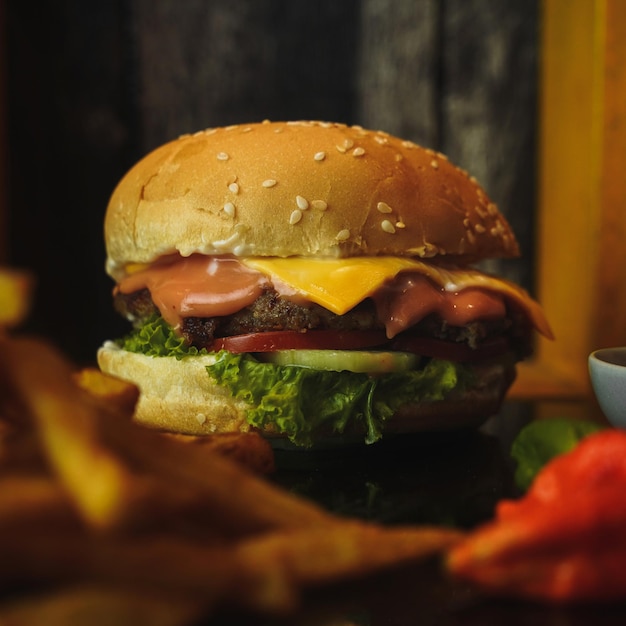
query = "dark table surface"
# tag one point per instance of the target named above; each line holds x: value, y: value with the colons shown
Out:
x: 445, y: 479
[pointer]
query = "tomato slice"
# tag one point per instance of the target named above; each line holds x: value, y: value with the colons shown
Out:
x: 271, y: 341
x: 449, y: 350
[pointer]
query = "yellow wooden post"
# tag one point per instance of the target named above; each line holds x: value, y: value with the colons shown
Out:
x: 582, y: 192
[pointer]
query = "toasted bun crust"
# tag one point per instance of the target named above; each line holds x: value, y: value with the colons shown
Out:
x: 299, y: 188
x: 178, y: 396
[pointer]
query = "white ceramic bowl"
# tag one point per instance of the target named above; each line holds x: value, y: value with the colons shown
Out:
x: 607, y: 370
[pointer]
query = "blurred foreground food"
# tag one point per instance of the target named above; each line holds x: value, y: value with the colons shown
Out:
x: 122, y: 524
x: 565, y: 540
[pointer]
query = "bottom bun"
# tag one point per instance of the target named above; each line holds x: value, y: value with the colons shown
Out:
x: 179, y: 396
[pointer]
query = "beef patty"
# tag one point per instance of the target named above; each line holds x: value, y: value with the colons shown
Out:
x: 271, y: 312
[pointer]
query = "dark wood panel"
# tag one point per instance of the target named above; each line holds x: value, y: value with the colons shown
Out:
x: 229, y: 61
x: 488, y: 108
x: 398, y: 68
x: 71, y: 136
x: 4, y: 238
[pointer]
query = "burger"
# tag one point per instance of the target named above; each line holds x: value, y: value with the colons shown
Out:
x: 311, y: 281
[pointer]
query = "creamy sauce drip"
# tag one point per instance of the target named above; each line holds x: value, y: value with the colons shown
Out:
x: 411, y: 297
x: 198, y: 286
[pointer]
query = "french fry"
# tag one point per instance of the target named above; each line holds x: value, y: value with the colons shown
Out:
x: 234, y: 497
x: 27, y: 500
x: 100, y: 606
x: 106, y: 388
x: 302, y: 558
x: 264, y: 574
x: 248, y: 449
x: 68, y: 428
x: 19, y: 450
x: 156, y: 564
x: 15, y: 296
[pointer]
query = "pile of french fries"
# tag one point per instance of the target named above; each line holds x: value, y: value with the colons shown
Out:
x: 106, y: 519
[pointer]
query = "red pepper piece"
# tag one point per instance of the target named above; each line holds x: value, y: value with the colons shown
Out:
x: 565, y: 540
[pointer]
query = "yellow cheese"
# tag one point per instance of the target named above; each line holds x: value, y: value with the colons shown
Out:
x: 340, y: 284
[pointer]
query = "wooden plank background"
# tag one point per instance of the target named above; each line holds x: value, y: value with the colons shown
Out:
x: 92, y: 86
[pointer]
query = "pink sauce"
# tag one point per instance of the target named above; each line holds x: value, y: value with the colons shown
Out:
x: 411, y: 297
x: 201, y: 286
x: 198, y: 286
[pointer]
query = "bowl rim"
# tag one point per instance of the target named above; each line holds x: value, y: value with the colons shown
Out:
x: 608, y: 356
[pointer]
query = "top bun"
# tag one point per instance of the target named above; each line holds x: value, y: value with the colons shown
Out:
x: 300, y: 188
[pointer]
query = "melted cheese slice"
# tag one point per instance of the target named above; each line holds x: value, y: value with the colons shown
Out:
x: 340, y: 284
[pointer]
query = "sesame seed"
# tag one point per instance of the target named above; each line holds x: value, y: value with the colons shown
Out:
x: 222, y: 156
x: 398, y: 157
x: 471, y: 237
x: 429, y: 249
x: 234, y: 188
x: 319, y: 156
x: 201, y: 418
x: 320, y: 205
x: 383, y: 207
x: 492, y: 209
x: 400, y: 225
x: 343, y: 235
x: 357, y: 152
x: 387, y: 226
x: 481, y: 212
x: 348, y: 143
x: 303, y: 203
x: 408, y: 144
x: 381, y: 140
x: 270, y: 182
x: 341, y: 149
x: 295, y: 216
x: 232, y: 127
x: 479, y: 228
x: 229, y: 209
x: 434, y: 164
x: 247, y: 129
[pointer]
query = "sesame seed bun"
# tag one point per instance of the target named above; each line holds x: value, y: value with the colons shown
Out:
x: 303, y: 188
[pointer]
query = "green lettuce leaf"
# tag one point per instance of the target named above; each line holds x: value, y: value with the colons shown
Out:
x: 540, y: 441
x: 297, y: 400
x: 157, y: 338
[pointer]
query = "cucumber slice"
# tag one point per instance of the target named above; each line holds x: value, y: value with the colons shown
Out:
x: 362, y: 361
